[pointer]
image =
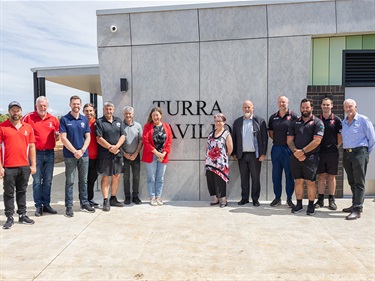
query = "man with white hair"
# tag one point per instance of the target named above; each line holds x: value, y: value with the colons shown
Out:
x: 358, y: 138
x: 46, y: 129
x: 132, y: 158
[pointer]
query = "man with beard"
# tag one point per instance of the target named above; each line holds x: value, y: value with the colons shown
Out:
x: 17, y: 147
x: 358, y: 138
x: 328, y: 154
x: 46, y: 129
x: 304, y: 137
x: 278, y: 125
x: 75, y: 136
x: 110, y: 135
x: 250, y: 142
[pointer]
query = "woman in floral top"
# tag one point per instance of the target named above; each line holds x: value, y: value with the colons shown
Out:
x: 219, y: 147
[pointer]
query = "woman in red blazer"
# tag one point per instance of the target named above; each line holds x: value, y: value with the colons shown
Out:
x: 157, y: 141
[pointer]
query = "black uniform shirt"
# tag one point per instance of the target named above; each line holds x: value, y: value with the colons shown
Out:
x: 304, y: 132
x: 332, y: 127
x: 111, y: 132
x: 280, y: 125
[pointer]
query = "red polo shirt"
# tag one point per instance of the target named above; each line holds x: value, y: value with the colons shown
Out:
x: 93, y: 146
x: 15, y: 144
x: 44, y: 129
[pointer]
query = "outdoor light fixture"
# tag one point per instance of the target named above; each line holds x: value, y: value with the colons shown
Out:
x: 124, y: 87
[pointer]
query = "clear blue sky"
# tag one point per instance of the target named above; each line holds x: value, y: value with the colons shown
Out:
x: 46, y: 34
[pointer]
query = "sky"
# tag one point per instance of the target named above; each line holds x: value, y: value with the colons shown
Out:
x: 51, y: 33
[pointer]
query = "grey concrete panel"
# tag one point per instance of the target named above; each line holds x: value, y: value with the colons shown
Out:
x: 355, y: 16
x: 289, y: 59
x: 106, y: 37
x: 301, y: 19
x: 181, y: 182
x: 164, y: 27
x: 115, y: 63
x: 170, y: 73
x: 231, y: 72
x: 233, y: 23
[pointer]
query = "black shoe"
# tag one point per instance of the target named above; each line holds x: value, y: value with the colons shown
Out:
x: 349, y: 210
x: 94, y: 204
x: 319, y: 203
x: 127, y: 201
x: 331, y: 204
x: 25, y: 219
x: 106, y: 206
x: 214, y: 203
x: 114, y: 202
x: 356, y: 214
x: 8, y: 224
x: 39, y: 212
x: 69, y: 212
x: 276, y: 202
x: 243, y: 202
x: 297, y: 209
x: 136, y: 200
x: 256, y: 203
x: 48, y: 209
x: 87, y: 208
x: 310, y: 210
x: 290, y: 203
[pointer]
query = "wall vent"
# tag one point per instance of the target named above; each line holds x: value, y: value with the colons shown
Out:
x: 358, y: 68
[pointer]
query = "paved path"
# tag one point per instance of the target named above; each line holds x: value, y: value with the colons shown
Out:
x: 188, y: 241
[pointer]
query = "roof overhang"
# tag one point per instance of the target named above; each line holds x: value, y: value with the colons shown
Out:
x: 81, y: 77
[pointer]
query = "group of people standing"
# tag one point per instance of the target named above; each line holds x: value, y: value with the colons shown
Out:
x: 108, y: 146
x: 303, y: 147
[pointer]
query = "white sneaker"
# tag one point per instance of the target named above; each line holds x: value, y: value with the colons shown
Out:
x: 153, y: 202
x: 159, y: 202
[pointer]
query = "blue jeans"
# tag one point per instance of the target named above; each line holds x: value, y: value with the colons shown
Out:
x: 42, y: 179
x: 82, y: 165
x: 155, y: 177
x: 280, y: 155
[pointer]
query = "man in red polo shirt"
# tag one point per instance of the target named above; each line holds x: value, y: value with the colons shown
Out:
x: 46, y: 129
x: 16, y: 147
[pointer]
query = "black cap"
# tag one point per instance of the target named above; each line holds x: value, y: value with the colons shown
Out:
x: 14, y: 103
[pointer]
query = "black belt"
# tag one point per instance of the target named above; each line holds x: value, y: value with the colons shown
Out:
x: 349, y: 150
x: 248, y: 152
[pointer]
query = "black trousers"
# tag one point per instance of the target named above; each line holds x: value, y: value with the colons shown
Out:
x: 250, y: 166
x: 216, y: 185
x: 135, y: 166
x: 91, y: 179
x: 15, y: 179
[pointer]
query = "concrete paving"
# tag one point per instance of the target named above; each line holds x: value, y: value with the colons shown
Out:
x: 188, y: 241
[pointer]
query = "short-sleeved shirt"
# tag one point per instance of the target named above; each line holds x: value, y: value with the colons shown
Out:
x: 133, y: 136
x: 75, y: 130
x: 304, y: 132
x: 332, y: 127
x: 44, y: 129
x: 93, y: 146
x: 15, y: 144
x: 280, y: 125
x: 111, y: 132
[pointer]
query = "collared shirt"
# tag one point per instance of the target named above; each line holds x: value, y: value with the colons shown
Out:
x: 248, y: 135
x: 110, y: 131
x: 75, y: 130
x: 304, y: 132
x: 332, y: 127
x: 44, y: 129
x: 360, y: 132
x: 280, y: 125
x: 15, y: 144
x: 133, y: 135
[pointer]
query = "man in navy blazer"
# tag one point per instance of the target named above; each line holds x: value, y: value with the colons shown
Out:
x: 250, y: 142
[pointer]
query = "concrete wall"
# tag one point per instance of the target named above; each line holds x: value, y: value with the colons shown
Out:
x: 218, y: 57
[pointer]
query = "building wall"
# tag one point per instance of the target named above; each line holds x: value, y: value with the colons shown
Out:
x: 197, y: 61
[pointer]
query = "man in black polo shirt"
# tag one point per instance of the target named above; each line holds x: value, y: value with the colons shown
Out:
x: 328, y: 154
x: 278, y: 125
x: 304, y: 137
x: 110, y: 134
